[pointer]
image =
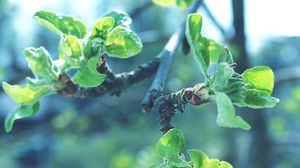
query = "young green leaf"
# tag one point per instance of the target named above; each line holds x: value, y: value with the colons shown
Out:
x: 123, y: 43
x: 19, y: 112
x: 221, y: 77
x: 226, y: 114
x: 94, y: 47
x: 170, y: 144
x: 257, y: 101
x: 215, y: 163
x: 183, y: 4
x: 61, y: 24
x: 26, y: 94
x: 88, y: 76
x: 178, y: 163
x: 164, y: 3
x: 70, y: 46
x: 198, y: 158
x: 261, y: 79
x: 40, y: 62
x: 121, y: 18
x: 193, y: 29
x: 102, y: 27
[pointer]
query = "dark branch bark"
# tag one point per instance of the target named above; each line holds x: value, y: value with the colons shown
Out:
x: 167, y: 104
x: 120, y: 81
x: 166, y: 59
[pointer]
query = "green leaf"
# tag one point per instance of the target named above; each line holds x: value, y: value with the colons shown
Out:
x: 70, y: 46
x: 88, y: 76
x: 26, y: 94
x: 164, y: 3
x: 226, y: 114
x: 261, y: 79
x: 183, y: 4
x: 193, y: 29
x: 257, y: 101
x: 61, y: 24
x: 94, y: 47
x: 121, y: 18
x: 152, y: 166
x: 102, y: 27
x: 19, y: 112
x: 221, y: 77
x: 178, y: 163
x: 40, y: 62
x: 198, y: 158
x: 123, y: 43
x: 215, y: 163
x: 170, y: 144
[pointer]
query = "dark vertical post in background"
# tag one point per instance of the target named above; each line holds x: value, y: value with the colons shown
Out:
x: 259, y: 153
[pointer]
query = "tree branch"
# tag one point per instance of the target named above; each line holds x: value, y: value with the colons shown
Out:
x: 166, y: 59
x: 167, y: 104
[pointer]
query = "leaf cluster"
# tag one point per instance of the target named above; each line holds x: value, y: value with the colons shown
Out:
x: 170, y: 147
x: 79, y: 50
x: 252, y: 88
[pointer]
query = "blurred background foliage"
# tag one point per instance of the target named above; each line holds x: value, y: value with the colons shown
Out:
x: 111, y: 131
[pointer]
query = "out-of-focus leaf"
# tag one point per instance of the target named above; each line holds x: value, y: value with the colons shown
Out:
x: 61, y: 24
x: 226, y: 114
x: 102, y: 27
x: 261, y: 79
x: 164, y: 3
x: 39, y: 62
x: 26, y: 94
x: 19, y: 112
x: 88, y: 76
x: 170, y: 144
x: 183, y: 4
x: 121, y: 18
x: 123, y: 43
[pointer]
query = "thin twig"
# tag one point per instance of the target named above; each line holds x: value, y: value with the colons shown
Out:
x: 166, y: 59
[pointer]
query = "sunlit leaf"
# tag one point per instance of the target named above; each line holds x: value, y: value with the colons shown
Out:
x: 61, y: 24
x: 121, y: 18
x: 164, y: 3
x: 39, y: 62
x: 25, y: 94
x: 226, y: 114
x: 19, y: 112
x: 193, y: 29
x: 198, y: 158
x: 123, y: 43
x: 88, y: 76
x: 183, y: 4
x: 102, y: 27
x: 261, y: 78
x: 170, y: 144
x: 70, y: 47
